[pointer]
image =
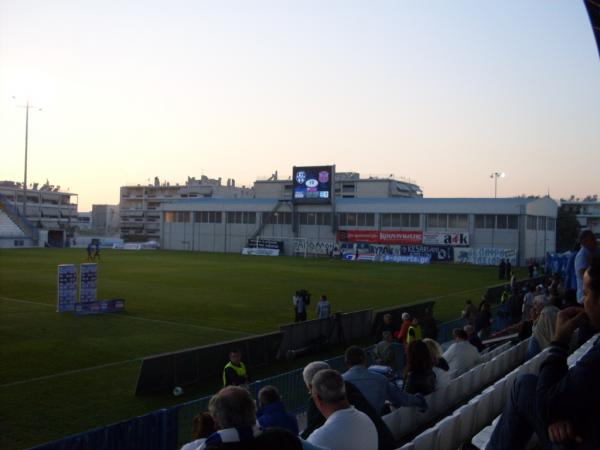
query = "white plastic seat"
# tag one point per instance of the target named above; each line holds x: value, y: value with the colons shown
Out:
x: 426, y: 440
x: 445, y: 433
x: 466, y: 422
x: 482, y: 410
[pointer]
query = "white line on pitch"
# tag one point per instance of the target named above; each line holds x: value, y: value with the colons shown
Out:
x: 126, y: 316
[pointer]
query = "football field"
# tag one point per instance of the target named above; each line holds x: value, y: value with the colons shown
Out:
x: 62, y: 374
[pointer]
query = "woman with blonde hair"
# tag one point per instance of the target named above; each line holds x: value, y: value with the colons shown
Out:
x: 440, y: 366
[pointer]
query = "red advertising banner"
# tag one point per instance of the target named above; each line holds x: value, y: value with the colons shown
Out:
x: 381, y: 237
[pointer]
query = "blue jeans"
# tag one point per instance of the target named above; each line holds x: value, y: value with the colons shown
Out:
x: 520, y: 419
x: 533, y: 348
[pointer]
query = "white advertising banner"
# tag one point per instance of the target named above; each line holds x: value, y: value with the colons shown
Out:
x: 485, y: 256
x: 257, y: 251
x: 442, y: 238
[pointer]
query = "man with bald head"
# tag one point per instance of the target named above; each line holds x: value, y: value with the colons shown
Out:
x: 345, y: 427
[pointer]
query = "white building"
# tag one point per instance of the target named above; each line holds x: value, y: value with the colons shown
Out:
x: 43, y: 214
x: 139, y: 215
x: 587, y: 212
x: 105, y: 219
x: 371, y: 212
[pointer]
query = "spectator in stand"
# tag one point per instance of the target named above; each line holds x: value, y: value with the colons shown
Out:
x: 403, y: 332
x: 502, y: 270
x: 323, y: 308
x: 314, y: 418
x: 589, y: 248
x: 383, y: 353
x: 272, y: 411
x: 483, y: 322
x: 544, y: 324
x: 571, y: 278
x: 386, y: 325
x: 414, y: 332
x: 440, y: 366
x: 235, y: 372
x: 428, y: 325
x: 234, y: 412
x: 560, y: 404
x: 461, y: 356
x: 528, y: 303
x: 376, y: 388
x: 345, y: 428
x: 473, y: 338
x: 203, y: 425
x: 530, y: 268
x: 299, y: 301
x: 419, y: 377
x: 470, y: 312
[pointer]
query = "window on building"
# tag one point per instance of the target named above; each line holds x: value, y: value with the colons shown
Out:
x: 208, y: 217
x: 437, y: 220
x: 182, y: 216
x: 315, y: 218
x: 484, y: 221
x: 400, y: 220
x: 458, y: 221
x: 355, y: 220
x: 531, y: 222
x: 541, y: 223
x: 348, y: 188
x: 241, y: 217
x: 278, y: 218
x: 551, y: 224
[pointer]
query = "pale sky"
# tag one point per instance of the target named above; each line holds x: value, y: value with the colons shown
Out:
x: 441, y: 92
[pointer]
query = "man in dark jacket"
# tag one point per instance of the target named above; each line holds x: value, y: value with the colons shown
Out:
x: 234, y: 412
x: 272, y: 411
x: 314, y: 418
x: 561, y: 404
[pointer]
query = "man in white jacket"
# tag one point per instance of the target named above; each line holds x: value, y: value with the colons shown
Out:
x: 461, y: 356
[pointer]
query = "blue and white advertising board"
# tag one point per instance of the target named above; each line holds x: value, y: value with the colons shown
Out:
x: 67, y: 288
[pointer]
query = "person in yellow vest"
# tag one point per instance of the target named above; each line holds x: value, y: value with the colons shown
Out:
x: 414, y: 332
x: 234, y: 372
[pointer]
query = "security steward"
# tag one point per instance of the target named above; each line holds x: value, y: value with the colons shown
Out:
x: 234, y: 372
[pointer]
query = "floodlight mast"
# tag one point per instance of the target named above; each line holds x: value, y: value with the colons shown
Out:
x: 495, y: 176
x: 27, y: 107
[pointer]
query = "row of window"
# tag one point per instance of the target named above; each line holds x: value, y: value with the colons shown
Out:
x: 388, y: 220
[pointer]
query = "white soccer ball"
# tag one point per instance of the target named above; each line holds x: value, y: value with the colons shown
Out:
x: 177, y: 391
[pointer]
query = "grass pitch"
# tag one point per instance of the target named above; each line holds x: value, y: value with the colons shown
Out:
x: 62, y: 374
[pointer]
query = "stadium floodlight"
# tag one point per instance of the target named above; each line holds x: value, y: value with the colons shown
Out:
x: 27, y: 107
x: 495, y: 176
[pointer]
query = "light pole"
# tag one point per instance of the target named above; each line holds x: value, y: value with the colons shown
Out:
x: 27, y: 107
x: 495, y: 176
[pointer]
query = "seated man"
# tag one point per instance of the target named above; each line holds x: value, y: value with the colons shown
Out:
x: 272, y: 411
x: 474, y: 340
x: 234, y: 372
x: 375, y: 387
x: 234, y: 412
x: 461, y: 356
x: 561, y: 404
x: 314, y: 418
x: 383, y: 353
x: 346, y: 428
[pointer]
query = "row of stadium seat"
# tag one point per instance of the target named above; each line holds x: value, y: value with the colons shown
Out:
x: 408, y: 420
x: 481, y: 439
x: 450, y: 432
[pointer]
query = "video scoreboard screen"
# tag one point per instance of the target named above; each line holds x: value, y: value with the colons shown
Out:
x: 313, y: 184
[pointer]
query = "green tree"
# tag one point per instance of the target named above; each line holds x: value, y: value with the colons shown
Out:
x: 567, y: 230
